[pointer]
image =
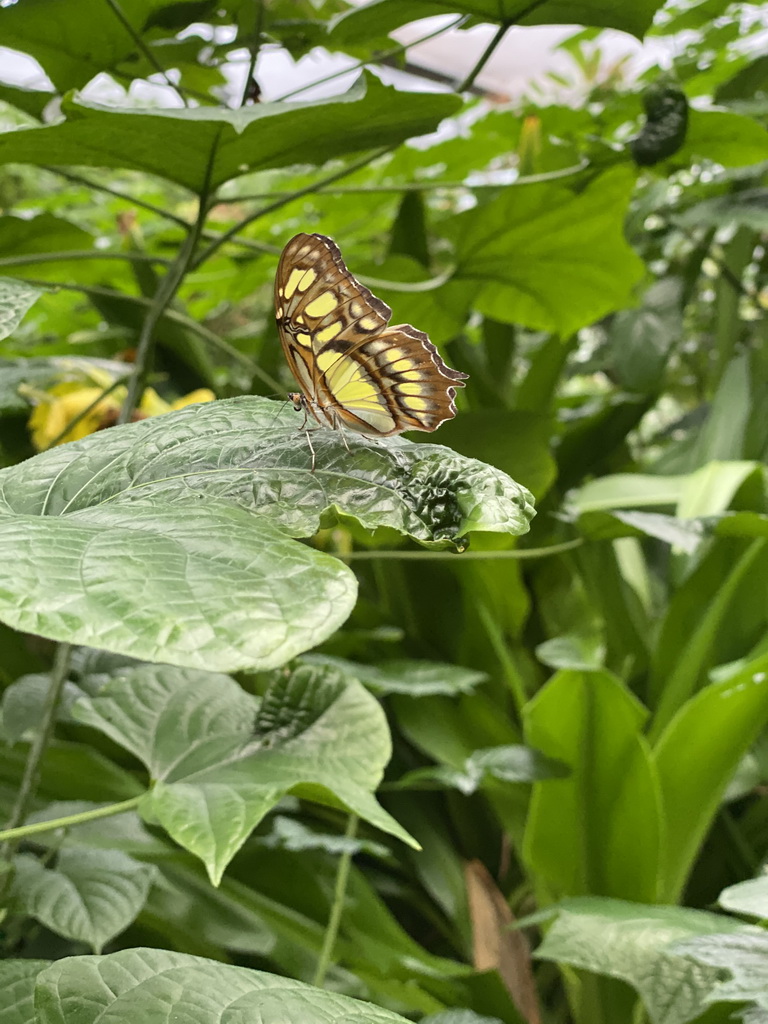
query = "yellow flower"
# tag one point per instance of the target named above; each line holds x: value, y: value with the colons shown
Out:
x: 71, y: 410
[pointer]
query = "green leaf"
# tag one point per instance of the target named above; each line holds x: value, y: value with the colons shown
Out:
x: 17, y: 983
x: 31, y: 101
x: 695, y: 759
x: 16, y: 297
x: 641, y: 339
x: 44, y: 372
x: 580, y: 651
x: 89, y: 896
x: 152, y: 985
x: 548, y: 257
x: 74, y: 45
x: 210, y: 145
x: 638, y: 944
x: 744, y: 955
x: 24, y: 700
x: 732, y: 140
x: 171, y: 539
x: 512, y: 763
x: 380, y: 17
x: 750, y: 897
x: 748, y: 208
x: 597, y: 831
x: 221, y: 761
x: 407, y: 676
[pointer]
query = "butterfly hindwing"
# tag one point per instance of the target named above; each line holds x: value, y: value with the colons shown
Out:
x: 353, y: 369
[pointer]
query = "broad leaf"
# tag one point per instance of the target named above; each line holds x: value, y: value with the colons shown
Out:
x: 549, y: 257
x: 74, y: 49
x: 152, y: 984
x: 89, y: 896
x: 208, y: 145
x: 410, y: 677
x: 379, y: 17
x: 16, y: 297
x: 221, y: 761
x: 744, y: 955
x: 750, y: 897
x: 637, y: 944
x: 512, y: 763
x: 171, y: 539
x: 696, y: 757
x: 597, y: 831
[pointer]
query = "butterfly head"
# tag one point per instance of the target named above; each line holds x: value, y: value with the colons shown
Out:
x: 299, y: 401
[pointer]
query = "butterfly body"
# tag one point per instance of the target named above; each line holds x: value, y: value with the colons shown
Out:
x: 354, y: 369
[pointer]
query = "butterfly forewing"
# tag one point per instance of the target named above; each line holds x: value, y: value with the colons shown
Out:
x: 352, y: 368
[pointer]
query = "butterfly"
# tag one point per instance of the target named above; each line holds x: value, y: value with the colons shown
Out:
x: 353, y: 368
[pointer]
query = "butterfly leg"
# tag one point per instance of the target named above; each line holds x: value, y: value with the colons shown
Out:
x: 307, y: 434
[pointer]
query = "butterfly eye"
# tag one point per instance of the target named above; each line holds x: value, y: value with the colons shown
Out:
x: 354, y: 370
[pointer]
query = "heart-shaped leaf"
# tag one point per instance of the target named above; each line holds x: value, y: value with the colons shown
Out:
x: 221, y: 760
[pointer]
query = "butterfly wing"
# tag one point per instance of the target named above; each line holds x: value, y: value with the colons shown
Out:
x: 352, y: 367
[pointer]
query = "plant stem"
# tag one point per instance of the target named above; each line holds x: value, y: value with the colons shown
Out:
x: 79, y: 254
x: 71, y: 819
x: 37, y: 749
x: 78, y: 179
x: 278, y: 203
x: 469, y: 81
x: 144, y: 49
x: 394, y: 52
x: 165, y: 291
x: 466, y: 556
x: 254, y: 48
x: 337, y: 907
x: 421, y: 186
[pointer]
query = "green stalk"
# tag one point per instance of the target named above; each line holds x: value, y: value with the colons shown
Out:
x: 337, y: 907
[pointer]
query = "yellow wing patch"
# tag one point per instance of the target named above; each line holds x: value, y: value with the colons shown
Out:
x: 353, y: 369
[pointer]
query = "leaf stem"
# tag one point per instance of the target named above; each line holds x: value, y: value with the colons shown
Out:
x: 469, y: 81
x: 166, y: 289
x: 144, y: 49
x: 394, y: 52
x: 39, y: 827
x: 466, y: 556
x: 337, y: 907
x: 254, y: 48
x: 31, y: 774
x: 89, y: 408
x: 78, y: 179
x: 421, y: 186
x: 284, y: 200
x: 486, y: 55
x: 79, y: 254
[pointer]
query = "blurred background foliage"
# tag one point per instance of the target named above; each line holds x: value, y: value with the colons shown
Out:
x: 597, y: 264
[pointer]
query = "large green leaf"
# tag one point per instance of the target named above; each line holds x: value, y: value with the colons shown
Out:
x: 549, y: 257
x: 153, y: 985
x: 695, y: 759
x: 221, y: 760
x: 637, y: 944
x: 77, y: 41
x: 211, y: 144
x: 598, y: 831
x: 171, y: 539
x: 382, y: 16
x: 744, y: 955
